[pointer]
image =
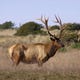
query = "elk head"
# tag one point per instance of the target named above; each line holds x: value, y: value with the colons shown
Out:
x: 55, y: 40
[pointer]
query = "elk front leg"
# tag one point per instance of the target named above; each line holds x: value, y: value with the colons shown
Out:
x: 40, y: 63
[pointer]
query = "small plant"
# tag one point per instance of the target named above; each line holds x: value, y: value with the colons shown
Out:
x: 63, y: 49
x: 76, y: 45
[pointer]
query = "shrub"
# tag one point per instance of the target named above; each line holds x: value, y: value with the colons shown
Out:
x: 30, y: 28
x: 76, y: 45
x: 54, y: 27
x: 72, y: 26
x: 7, y: 25
x: 63, y: 49
x: 69, y: 36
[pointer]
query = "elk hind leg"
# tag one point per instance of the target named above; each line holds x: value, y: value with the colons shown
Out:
x: 16, y: 59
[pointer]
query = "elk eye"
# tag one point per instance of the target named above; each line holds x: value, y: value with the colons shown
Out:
x: 52, y: 39
x: 58, y: 40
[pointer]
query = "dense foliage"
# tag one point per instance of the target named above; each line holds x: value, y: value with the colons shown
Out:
x: 72, y: 26
x: 69, y: 36
x: 54, y: 27
x: 70, y: 33
x: 68, y: 26
x: 7, y: 25
x: 30, y: 28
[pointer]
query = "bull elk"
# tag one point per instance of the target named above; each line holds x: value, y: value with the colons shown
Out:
x: 38, y: 52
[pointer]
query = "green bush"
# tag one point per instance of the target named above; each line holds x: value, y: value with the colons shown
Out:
x: 76, y: 45
x: 30, y: 28
x: 69, y: 36
x: 7, y: 25
x: 54, y: 27
x: 63, y: 49
x: 72, y: 26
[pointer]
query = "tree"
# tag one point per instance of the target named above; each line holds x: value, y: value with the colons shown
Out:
x: 7, y: 25
x: 54, y: 27
x: 72, y: 26
x: 30, y: 28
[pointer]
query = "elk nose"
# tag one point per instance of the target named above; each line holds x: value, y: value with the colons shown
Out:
x: 62, y: 45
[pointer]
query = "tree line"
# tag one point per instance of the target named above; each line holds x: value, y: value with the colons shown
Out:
x: 7, y: 25
x: 37, y: 26
x: 70, y: 34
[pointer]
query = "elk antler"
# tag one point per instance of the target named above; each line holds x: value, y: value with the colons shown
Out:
x: 45, y: 21
x: 58, y: 20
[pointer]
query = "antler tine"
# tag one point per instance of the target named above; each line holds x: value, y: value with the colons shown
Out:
x: 42, y: 19
x: 58, y: 20
x: 45, y: 22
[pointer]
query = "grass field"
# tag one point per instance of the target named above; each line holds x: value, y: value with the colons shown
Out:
x: 25, y: 75
x: 63, y: 66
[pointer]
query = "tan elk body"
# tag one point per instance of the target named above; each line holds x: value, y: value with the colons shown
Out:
x: 37, y: 52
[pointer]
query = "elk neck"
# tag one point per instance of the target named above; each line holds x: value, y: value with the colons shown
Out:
x: 51, y: 50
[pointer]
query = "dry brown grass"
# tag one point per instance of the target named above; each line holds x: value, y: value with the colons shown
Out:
x: 61, y: 62
x: 67, y: 62
x: 7, y: 32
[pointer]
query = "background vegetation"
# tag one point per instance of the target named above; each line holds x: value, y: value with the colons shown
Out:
x: 30, y: 28
x: 62, y: 67
x: 70, y: 35
x: 7, y: 25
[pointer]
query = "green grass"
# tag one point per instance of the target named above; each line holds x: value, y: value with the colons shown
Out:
x: 76, y: 45
x: 63, y: 49
x: 26, y: 75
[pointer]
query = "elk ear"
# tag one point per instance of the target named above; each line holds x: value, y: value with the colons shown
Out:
x: 52, y: 39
